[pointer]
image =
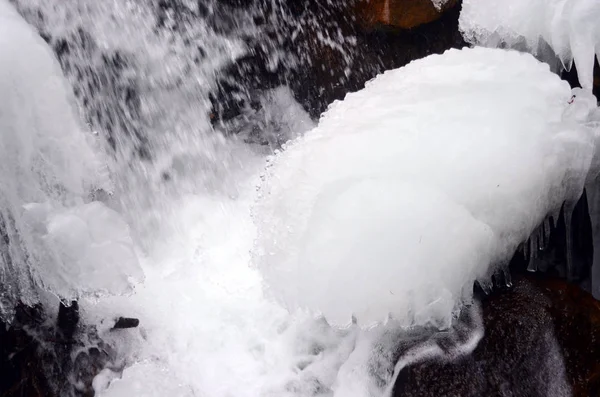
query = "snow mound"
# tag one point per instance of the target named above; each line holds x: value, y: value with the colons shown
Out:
x: 569, y: 27
x: 423, y: 182
x: 49, y: 168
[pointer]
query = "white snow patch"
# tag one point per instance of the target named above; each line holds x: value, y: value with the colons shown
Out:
x: 411, y: 189
x: 569, y: 27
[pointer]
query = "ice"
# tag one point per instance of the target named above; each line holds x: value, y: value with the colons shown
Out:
x: 92, y: 246
x: 53, y: 235
x: 206, y: 327
x: 569, y: 27
x: 439, y: 3
x: 419, y: 184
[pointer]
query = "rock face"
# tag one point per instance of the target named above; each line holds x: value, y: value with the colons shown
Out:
x: 403, y: 14
x: 576, y: 319
x: 43, y: 358
x: 542, y: 338
x: 322, y: 52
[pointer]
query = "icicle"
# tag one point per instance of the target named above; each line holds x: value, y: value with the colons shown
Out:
x: 555, y: 216
x: 568, y: 213
x: 532, y: 266
x: 539, y: 234
x: 486, y: 286
x: 507, y: 277
x: 526, y: 247
x: 547, y: 230
x: 502, y: 276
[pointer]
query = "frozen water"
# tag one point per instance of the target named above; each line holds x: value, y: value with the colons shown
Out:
x: 569, y: 27
x: 49, y: 169
x: 439, y: 3
x: 414, y: 187
x: 91, y: 245
x: 206, y: 327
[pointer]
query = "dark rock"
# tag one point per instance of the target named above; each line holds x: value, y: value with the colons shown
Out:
x: 542, y: 338
x: 125, y: 322
x: 576, y: 318
x: 67, y: 320
x: 322, y: 52
x: 404, y: 14
x: 39, y: 357
x: 108, y: 94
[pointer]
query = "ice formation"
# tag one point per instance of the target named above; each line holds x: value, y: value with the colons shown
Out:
x: 49, y: 169
x: 439, y: 3
x: 206, y: 327
x: 569, y: 27
x: 421, y: 183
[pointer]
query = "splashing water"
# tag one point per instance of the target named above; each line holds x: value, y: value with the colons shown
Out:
x: 206, y: 327
x: 142, y: 73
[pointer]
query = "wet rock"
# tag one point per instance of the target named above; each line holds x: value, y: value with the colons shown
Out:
x: 104, y: 88
x: 576, y: 320
x: 68, y: 318
x: 126, y: 322
x: 322, y: 53
x: 403, y: 14
x: 542, y: 338
x: 40, y: 356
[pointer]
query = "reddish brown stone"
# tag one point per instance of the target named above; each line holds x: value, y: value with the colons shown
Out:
x: 576, y: 316
x: 404, y: 14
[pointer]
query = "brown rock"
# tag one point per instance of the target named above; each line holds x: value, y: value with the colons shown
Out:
x: 404, y: 14
x: 541, y: 338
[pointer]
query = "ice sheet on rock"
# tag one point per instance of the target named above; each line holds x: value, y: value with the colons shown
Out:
x: 412, y: 188
x: 90, y: 246
x: 46, y: 159
x: 569, y: 27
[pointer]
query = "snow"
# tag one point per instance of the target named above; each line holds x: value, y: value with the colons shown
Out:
x: 423, y: 182
x: 49, y: 169
x: 569, y: 27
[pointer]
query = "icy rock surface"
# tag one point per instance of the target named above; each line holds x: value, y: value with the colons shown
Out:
x: 569, y: 28
x: 49, y: 167
x: 411, y: 189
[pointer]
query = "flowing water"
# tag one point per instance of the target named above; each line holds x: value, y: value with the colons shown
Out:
x: 144, y: 74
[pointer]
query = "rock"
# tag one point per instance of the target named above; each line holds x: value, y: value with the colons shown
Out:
x: 542, y: 338
x: 576, y: 318
x: 68, y: 318
x: 403, y: 14
x: 41, y: 359
x: 126, y: 322
x: 317, y: 71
